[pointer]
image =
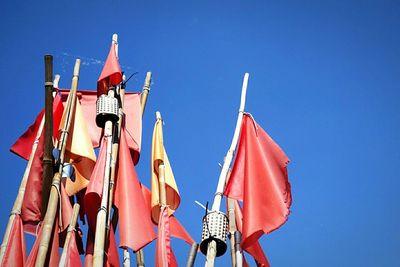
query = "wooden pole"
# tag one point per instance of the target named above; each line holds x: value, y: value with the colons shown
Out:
x: 146, y: 91
x: 143, y: 102
x: 48, y: 134
x: 51, y: 211
x: 192, y: 255
x: 212, y: 246
x: 232, y: 229
x: 101, y: 221
x: 16, y: 209
x: 71, y: 229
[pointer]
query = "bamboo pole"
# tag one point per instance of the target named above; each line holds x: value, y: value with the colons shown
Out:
x: 51, y: 211
x: 102, y: 213
x: 212, y: 249
x: 146, y: 91
x: 232, y: 229
x: 48, y: 134
x: 143, y: 102
x: 71, y: 229
x: 16, y: 209
x: 192, y: 255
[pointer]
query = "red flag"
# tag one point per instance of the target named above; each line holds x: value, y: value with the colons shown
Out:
x: 94, y: 190
x: 254, y: 249
x: 259, y: 179
x: 111, y: 258
x: 111, y: 74
x: 73, y: 258
x: 133, y: 118
x: 178, y: 231
x: 53, y: 254
x: 164, y: 255
x: 15, y: 254
x: 31, y: 205
x: 176, y: 228
x: 23, y: 146
x: 135, y: 226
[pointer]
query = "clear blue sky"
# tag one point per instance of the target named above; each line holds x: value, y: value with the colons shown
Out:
x: 324, y: 82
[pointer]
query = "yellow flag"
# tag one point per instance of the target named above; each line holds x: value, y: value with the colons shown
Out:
x: 159, y: 156
x: 79, y: 150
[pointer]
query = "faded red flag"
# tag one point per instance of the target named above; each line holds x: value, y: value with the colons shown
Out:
x: 135, y: 226
x: 53, y: 254
x: 164, y: 254
x: 259, y: 179
x: 15, y: 254
x: 132, y: 114
x: 73, y: 258
x: 111, y: 74
x: 94, y: 190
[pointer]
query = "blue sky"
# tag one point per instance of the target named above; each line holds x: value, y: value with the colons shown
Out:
x: 324, y: 83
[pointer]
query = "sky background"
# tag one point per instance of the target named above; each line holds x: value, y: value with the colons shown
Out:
x: 324, y: 83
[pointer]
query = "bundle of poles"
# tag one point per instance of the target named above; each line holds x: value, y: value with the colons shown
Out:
x: 105, y: 218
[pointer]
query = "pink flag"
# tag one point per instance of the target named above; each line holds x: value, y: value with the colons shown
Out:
x: 164, y: 255
x: 111, y: 74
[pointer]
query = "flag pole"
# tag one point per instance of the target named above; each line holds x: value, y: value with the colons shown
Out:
x: 71, y: 229
x: 51, y: 211
x: 192, y: 255
x: 101, y: 219
x: 48, y: 134
x: 143, y: 102
x: 16, y: 209
x: 212, y: 245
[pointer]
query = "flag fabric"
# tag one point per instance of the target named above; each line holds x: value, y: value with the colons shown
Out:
x: 15, y: 253
x: 177, y: 230
x: 132, y: 121
x: 135, y: 226
x: 259, y: 179
x: 73, y: 258
x: 79, y: 151
x: 254, y: 249
x: 94, y: 190
x: 159, y: 156
x: 32, y: 201
x: 111, y: 74
x: 53, y: 254
x: 111, y: 258
x: 164, y: 254
x: 23, y: 146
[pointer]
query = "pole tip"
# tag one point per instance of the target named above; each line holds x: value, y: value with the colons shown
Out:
x: 158, y: 115
x: 115, y: 38
x: 77, y: 66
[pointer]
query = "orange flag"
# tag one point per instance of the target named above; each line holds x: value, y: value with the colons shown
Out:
x: 135, y: 226
x: 159, y: 156
x: 79, y: 150
x: 15, y: 254
x: 259, y: 179
x: 111, y: 74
